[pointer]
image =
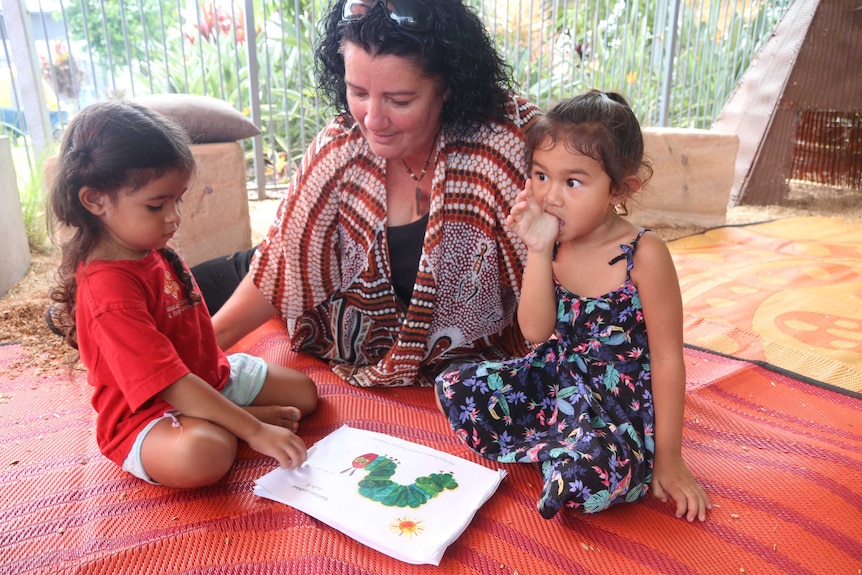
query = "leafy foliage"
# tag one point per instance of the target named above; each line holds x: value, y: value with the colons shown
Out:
x: 118, y: 31
x: 678, y: 75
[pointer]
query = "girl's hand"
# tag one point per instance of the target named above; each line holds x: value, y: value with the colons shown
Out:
x: 192, y: 396
x: 671, y: 478
x: 537, y: 228
x: 280, y: 443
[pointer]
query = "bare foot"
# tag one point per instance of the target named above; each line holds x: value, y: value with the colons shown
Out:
x: 281, y: 415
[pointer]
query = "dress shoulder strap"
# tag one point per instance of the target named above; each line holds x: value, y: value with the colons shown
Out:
x: 629, y: 253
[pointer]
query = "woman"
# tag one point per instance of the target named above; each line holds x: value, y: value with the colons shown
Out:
x: 390, y: 256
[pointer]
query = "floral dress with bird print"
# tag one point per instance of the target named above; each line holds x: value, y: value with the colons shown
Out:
x: 579, y: 404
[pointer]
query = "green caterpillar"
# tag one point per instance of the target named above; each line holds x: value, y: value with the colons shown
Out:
x: 378, y: 486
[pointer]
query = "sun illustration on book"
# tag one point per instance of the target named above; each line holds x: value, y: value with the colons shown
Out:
x: 407, y: 527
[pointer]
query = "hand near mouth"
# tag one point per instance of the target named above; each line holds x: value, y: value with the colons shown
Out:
x: 536, y: 227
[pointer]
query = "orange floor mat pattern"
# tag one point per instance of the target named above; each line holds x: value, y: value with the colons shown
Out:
x: 781, y: 460
x: 787, y: 293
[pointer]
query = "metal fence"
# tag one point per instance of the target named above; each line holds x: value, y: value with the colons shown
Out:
x: 677, y: 61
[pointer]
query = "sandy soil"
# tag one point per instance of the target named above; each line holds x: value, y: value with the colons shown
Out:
x: 22, y: 310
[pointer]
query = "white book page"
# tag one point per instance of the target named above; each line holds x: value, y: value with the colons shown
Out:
x: 400, y: 498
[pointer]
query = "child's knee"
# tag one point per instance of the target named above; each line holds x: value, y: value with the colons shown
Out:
x: 196, y: 454
x: 292, y: 387
x: 309, y: 393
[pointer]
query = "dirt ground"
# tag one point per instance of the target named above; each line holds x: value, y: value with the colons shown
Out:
x: 22, y: 310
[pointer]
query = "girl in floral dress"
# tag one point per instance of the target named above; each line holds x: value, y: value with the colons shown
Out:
x: 599, y: 404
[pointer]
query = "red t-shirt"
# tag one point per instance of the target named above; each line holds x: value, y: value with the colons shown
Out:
x: 138, y: 333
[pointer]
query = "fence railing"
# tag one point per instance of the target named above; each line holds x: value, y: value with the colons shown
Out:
x: 677, y: 61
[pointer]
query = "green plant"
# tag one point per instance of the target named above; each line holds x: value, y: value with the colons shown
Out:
x: 209, y: 56
x: 117, y: 31
x: 288, y: 88
x: 557, y: 48
x: 31, y: 191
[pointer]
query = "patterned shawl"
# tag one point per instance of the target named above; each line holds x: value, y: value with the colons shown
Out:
x: 325, y: 262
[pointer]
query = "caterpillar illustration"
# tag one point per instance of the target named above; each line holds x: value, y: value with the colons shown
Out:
x: 378, y: 485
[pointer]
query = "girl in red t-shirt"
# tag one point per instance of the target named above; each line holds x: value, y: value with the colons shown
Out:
x: 171, y: 404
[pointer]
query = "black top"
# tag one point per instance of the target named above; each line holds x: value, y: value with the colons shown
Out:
x: 405, y: 248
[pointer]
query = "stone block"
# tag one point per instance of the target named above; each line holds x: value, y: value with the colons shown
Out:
x: 693, y: 176
x: 15, y: 255
x: 216, y: 220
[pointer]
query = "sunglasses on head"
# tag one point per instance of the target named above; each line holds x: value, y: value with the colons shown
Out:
x: 409, y: 14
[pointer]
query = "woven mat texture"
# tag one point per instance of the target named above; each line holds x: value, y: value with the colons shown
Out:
x: 787, y: 293
x: 781, y: 459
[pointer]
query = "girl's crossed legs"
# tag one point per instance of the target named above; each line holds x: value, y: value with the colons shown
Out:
x: 181, y: 451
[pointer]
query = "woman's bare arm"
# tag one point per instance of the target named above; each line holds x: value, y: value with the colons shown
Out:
x: 244, y: 311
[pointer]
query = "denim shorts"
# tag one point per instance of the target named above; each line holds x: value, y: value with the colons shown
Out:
x: 247, y: 374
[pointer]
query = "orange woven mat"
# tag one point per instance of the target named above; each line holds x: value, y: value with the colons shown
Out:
x: 787, y: 293
x: 781, y: 459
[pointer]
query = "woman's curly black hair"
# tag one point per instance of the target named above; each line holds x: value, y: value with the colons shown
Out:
x: 457, y: 49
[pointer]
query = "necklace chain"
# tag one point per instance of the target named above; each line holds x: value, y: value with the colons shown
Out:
x: 421, y: 206
x: 424, y: 170
x: 422, y: 173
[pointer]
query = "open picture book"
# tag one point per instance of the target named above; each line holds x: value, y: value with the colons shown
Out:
x: 400, y: 498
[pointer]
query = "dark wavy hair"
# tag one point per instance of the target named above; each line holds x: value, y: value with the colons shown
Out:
x: 115, y: 147
x: 457, y: 50
x: 601, y: 126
